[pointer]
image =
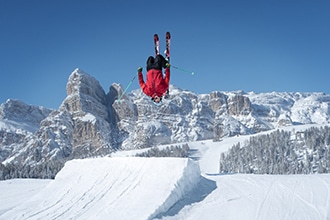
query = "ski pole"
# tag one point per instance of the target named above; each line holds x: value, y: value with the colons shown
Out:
x: 129, y: 84
x: 183, y: 70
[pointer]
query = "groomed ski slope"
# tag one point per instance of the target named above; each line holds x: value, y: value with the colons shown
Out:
x: 116, y: 188
x: 264, y: 197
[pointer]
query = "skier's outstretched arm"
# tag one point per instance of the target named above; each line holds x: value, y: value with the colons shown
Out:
x: 141, y: 81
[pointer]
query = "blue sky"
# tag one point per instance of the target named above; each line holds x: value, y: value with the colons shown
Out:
x: 260, y: 46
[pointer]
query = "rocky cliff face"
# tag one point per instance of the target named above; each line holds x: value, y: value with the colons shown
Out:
x: 18, y: 122
x: 187, y: 116
x: 80, y: 128
x: 90, y: 122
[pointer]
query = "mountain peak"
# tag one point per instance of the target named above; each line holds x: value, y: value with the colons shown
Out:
x: 16, y: 110
x: 85, y: 94
x: 81, y: 82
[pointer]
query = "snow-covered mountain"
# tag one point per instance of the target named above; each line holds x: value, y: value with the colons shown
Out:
x: 18, y: 123
x: 90, y: 122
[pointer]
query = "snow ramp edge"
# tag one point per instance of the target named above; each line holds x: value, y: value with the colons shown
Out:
x: 116, y: 188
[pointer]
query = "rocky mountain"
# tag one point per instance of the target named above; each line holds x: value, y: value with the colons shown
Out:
x: 18, y: 123
x: 35, y: 141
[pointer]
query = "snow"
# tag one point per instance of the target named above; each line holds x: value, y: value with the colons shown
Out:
x: 126, y: 187
x: 13, y: 192
x: 264, y: 197
x: 106, y: 187
x: 88, y: 118
x: 16, y: 127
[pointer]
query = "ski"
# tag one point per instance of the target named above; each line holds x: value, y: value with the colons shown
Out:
x: 167, y: 55
x: 156, y: 43
x: 168, y: 45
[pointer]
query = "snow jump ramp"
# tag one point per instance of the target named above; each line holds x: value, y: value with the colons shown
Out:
x: 118, y: 188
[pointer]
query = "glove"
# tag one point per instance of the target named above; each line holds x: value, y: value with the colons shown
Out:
x: 168, y: 65
x: 139, y: 69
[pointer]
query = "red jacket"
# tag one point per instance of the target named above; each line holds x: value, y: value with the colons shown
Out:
x: 156, y: 84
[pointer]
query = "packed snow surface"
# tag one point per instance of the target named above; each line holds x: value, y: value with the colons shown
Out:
x: 264, y: 197
x: 120, y: 188
x: 126, y: 187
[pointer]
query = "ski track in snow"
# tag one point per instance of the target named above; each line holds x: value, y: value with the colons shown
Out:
x: 124, y: 187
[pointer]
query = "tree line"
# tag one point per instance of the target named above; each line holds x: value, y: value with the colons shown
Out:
x: 172, y: 151
x: 49, y: 169
x: 45, y: 170
x: 280, y: 152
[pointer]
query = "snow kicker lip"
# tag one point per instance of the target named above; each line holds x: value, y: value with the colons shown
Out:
x: 120, y: 188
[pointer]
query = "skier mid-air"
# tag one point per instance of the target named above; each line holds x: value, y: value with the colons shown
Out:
x: 157, y: 85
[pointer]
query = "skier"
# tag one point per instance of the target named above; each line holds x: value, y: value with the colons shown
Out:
x: 156, y: 85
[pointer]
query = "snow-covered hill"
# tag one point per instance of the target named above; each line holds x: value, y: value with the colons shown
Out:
x: 111, y: 187
x: 124, y: 187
